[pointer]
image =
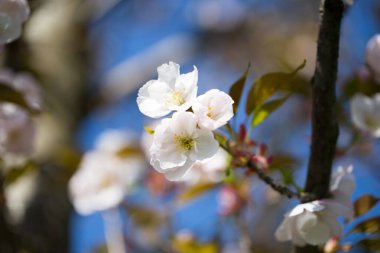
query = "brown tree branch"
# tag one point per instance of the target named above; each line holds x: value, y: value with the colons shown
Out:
x: 283, y: 190
x: 325, y: 128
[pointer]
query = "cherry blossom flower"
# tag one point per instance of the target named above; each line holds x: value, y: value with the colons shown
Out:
x: 172, y: 91
x: 105, y: 176
x: 373, y: 55
x: 12, y: 14
x: 102, y: 180
x: 213, y: 109
x: 312, y: 223
x: 316, y: 222
x: 178, y: 144
x: 365, y: 113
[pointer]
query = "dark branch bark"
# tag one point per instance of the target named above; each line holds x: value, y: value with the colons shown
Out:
x: 324, y: 123
x: 325, y: 129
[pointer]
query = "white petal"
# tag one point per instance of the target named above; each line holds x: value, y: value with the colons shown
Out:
x: 183, y: 123
x: 150, y: 99
x: 337, y: 208
x: 331, y: 221
x: 365, y: 113
x: 187, y: 85
x: 373, y: 54
x: 312, y: 230
x: 205, y: 145
x: 313, y: 206
x: 284, y: 231
x: 168, y: 73
x: 170, y: 158
x: 178, y: 173
x: 343, y: 185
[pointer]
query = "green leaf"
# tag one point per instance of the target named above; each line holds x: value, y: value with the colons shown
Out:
x: 287, y: 176
x: 229, y: 176
x: 368, y: 226
x: 8, y: 94
x: 267, y: 85
x: 262, y: 112
x: 195, y: 191
x: 237, y: 88
x: 364, y: 204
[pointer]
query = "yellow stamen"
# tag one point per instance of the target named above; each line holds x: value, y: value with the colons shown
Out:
x: 183, y: 142
x: 210, y: 114
x: 177, y: 97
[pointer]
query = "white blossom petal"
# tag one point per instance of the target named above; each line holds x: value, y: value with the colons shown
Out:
x: 343, y: 185
x: 284, y: 231
x: 373, y: 55
x: 205, y: 145
x: 168, y: 73
x: 150, y: 99
x: 312, y: 229
x: 365, y: 113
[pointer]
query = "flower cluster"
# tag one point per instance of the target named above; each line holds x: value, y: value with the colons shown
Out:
x: 316, y: 222
x: 105, y: 174
x: 13, y: 13
x: 17, y: 128
x: 187, y: 136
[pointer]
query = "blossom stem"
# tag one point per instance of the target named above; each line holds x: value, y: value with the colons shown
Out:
x: 114, y: 231
x: 283, y: 190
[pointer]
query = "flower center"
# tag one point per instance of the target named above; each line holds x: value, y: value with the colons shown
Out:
x: 107, y: 181
x: 183, y: 142
x: 210, y: 113
x: 177, y: 97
